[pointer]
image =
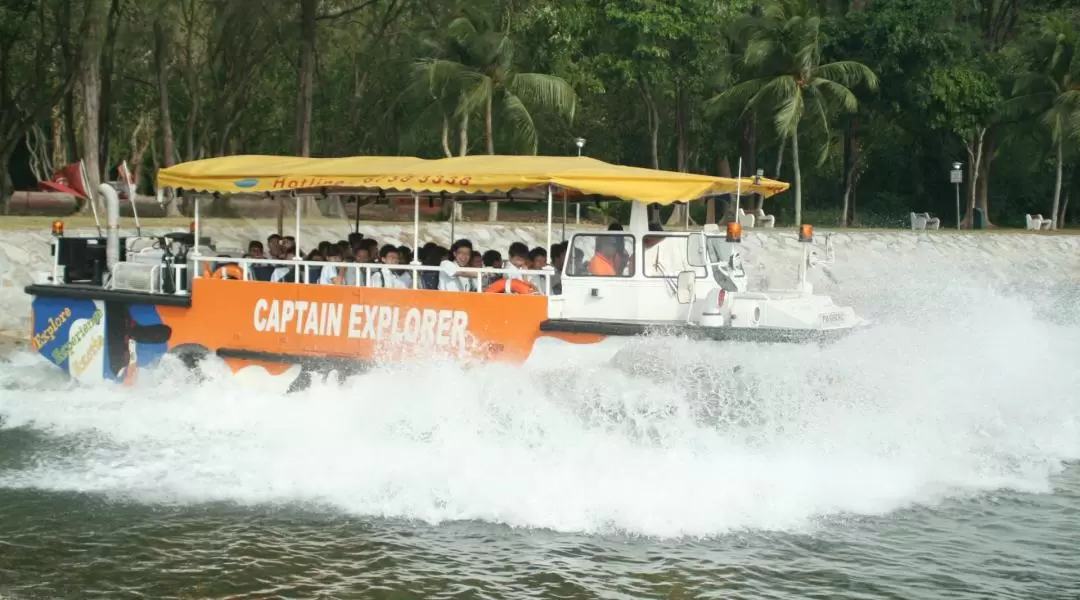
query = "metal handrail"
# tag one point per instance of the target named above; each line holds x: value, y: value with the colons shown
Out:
x: 367, y: 269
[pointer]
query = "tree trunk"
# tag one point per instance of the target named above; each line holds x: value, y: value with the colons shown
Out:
x: 71, y: 132
x: 983, y: 201
x: 654, y: 138
x: 107, y: 66
x: 6, y: 186
x: 91, y: 85
x: 974, y: 146
x: 463, y: 135
x: 654, y: 123
x: 798, y: 175
x: 161, y: 47
x: 1056, y: 209
x: 489, y: 126
x: 749, y: 153
x: 59, y: 150
x: 680, y: 216
x: 308, y: 13
x: 851, y: 164
x: 446, y: 137
x: 489, y: 134
x: 305, y: 93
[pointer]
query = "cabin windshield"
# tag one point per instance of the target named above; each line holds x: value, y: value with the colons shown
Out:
x: 724, y: 262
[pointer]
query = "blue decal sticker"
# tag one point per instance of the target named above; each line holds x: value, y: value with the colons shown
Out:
x: 246, y: 183
x: 54, y: 336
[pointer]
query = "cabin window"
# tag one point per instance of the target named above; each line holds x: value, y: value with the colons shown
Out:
x: 593, y: 255
x: 666, y: 256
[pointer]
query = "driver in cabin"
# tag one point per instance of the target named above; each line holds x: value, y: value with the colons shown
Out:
x: 603, y: 262
x: 451, y: 276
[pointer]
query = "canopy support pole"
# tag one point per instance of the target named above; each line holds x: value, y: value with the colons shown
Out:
x: 551, y: 206
x: 416, y: 227
x: 297, y: 200
x: 564, y: 215
x: 195, y: 199
x: 356, y: 224
x: 453, y: 218
x: 738, y: 191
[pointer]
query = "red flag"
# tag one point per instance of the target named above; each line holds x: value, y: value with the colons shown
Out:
x: 69, y: 180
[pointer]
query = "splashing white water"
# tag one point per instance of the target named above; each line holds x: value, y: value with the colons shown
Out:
x: 674, y: 438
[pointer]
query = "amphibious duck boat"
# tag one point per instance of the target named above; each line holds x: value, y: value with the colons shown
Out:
x: 114, y: 305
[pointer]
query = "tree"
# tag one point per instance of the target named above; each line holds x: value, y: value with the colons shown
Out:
x: 1052, y: 92
x: 785, y: 47
x: 479, y: 58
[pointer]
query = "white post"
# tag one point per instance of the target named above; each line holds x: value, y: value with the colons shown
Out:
x: 803, y: 266
x: 416, y: 228
x: 297, y: 199
x: 738, y: 191
x: 551, y: 206
x: 453, y: 218
x: 957, y: 177
x: 564, y: 215
x: 195, y: 198
x: 112, y: 223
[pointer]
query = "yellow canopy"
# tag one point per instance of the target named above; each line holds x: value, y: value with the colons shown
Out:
x: 467, y: 174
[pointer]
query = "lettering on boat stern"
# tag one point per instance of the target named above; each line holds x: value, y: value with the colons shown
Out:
x: 832, y: 317
x: 362, y: 321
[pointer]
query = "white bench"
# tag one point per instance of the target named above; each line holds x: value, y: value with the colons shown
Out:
x: 1037, y: 222
x: 746, y: 220
x: 924, y: 221
x: 764, y: 220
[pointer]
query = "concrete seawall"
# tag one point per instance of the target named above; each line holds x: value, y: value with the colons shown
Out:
x: 1012, y: 258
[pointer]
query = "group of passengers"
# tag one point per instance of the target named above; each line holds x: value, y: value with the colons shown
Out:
x: 451, y: 275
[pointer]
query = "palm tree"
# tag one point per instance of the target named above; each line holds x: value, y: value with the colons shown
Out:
x: 1052, y: 91
x: 784, y: 46
x: 479, y: 59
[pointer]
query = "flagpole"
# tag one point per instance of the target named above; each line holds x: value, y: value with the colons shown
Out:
x: 90, y: 194
x: 127, y: 176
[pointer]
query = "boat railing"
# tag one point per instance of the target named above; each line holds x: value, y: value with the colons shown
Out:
x: 302, y: 271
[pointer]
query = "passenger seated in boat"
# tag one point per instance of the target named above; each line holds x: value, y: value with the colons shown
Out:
x: 429, y: 280
x: 558, y: 255
x: 405, y: 257
x: 312, y: 273
x: 332, y: 275
x: 288, y: 244
x: 255, y: 250
x: 372, y: 247
x: 273, y: 246
x: 492, y: 260
x: 517, y: 258
x: 284, y: 273
x: 538, y: 259
x: 451, y: 277
x: 385, y: 277
x: 477, y: 260
x: 603, y: 262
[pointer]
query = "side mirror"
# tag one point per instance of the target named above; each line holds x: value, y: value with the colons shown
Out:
x: 695, y: 250
x: 684, y: 286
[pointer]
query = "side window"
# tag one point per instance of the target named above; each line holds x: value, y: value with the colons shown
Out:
x: 594, y: 255
x: 666, y: 256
